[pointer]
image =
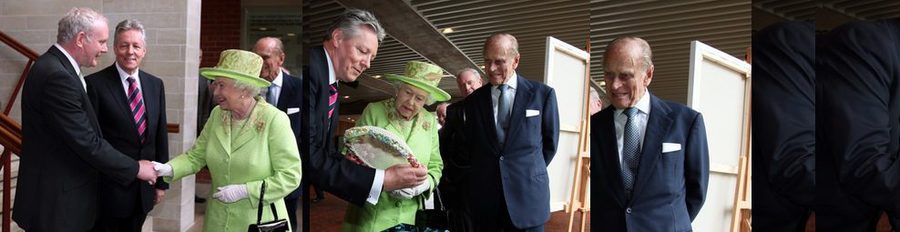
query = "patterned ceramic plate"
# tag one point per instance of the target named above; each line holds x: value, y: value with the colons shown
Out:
x: 376, y: 147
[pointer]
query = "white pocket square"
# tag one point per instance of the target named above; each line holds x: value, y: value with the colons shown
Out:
x: 532, y: 113
x: 293, y: 110
x: 670, y: 147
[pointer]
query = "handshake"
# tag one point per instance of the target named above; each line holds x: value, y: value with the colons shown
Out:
x: 150, y: 170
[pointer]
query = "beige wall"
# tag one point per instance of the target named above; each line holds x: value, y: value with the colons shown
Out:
x: 173, y: 37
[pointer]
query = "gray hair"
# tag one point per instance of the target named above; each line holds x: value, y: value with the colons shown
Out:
x: 350, y: 21
x: 127, y: 25
x: 77, y: 20
x: 513, y: 42
x: 471, y: 70
x: 279, y: 46
x: 254, y: 91
x: 646, y: 53
x: 398, y: 85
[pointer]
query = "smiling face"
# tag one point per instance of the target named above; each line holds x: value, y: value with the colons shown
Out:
x: 92, y: 43
x: 625, y: 74
x: 129, y: 50
x: 410, y: 100
x: 273, y: 58
x: 226, y: 94
x: 500, y: 62
x: 353, y: 55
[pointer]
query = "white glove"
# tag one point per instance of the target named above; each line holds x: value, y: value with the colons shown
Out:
x: 231, y: 193
x: 409, y: 193
x: 162, y: 169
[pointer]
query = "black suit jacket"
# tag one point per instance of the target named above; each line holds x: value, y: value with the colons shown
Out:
x: 456, y: 160
x: 323, y: 166
x: 290, y: 101
x: 517, y: 171
x: 670, y: 187
x: 784, y: 102
x: 858, y: 110
x: 107, y: 94
x: 63, y: 152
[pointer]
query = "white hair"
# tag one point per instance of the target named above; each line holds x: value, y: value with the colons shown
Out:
x: 75, y: 21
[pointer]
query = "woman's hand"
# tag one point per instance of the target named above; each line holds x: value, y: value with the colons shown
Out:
x: 231, y: 193
x: 162, y: 169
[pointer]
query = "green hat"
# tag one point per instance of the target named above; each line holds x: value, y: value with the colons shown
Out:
x: 239, y: 65
x: 424, y: 76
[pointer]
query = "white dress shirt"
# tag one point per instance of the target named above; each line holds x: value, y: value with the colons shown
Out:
x: 275, y: 88
x: 123, y: 76
x: 513, y: 83
x: 643, y: 106
x: 74, y: 64
x: 378, y: 182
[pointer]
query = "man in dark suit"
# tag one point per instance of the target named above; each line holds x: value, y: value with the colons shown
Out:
x: 784, y: 102
x: 285, y: 93
x: 350, y: 45
x: 512, y: 126
x: 140, y: 133
x: 857, y: 110
x: 456, y: 161
x: 63, y: 151
x: 652, y: 154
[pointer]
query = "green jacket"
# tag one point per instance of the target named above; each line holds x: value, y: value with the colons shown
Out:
x: 421, y: 134
x: 265, y: 149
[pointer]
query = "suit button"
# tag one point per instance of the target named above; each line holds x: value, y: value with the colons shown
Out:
x: 501, y: 158
x: 628, y: 211
x: 397, y: 204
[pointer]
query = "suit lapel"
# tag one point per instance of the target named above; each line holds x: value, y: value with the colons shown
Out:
x: 657, y: 127
x: 114, y: 85
x: 609, y: 146
x: 486, y: 106
x: 517, y: 115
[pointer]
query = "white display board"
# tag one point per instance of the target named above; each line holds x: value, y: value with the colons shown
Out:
x: 719, y: 88
x: 566, y: 68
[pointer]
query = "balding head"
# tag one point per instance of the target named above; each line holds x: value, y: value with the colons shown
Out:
x: 501, y: 57
x: 272, y: 51
x: 627, y: 70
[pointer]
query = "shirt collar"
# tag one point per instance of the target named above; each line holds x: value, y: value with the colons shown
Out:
x: 331, y: 78
x: 71, y: 60
x: 512, y: 81
x: 278, y: 79
x: 643, y: 104
x: 123, y: 75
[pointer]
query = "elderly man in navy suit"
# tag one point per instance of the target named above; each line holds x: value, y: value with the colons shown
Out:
x: 512, y: 127
x: 652, y: 153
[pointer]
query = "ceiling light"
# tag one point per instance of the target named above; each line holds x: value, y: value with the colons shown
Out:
x: 263, y: 29
x: 376, y: 76
x: 291, y: 34
x: 346, y: 96
x: 447, y: 30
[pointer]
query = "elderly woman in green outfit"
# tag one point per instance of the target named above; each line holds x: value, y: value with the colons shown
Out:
x: 404, y: 116
x: 245, y: 142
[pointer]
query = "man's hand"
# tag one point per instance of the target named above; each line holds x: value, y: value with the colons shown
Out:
x: 355, y: 159
x: 162, y: 169
x: 146, y: 172
x: 160, y: 195
x: 404, y: 176
x: 231, y: 193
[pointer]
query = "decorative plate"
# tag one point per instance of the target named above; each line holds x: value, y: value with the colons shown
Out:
x: 376, y: 147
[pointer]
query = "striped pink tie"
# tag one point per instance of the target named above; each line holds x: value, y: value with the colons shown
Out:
x: 136, y: 101
x: 332, y: 99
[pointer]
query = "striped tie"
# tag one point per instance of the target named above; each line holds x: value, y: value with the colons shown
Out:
x: 332, y: 99
x: 137, y: 108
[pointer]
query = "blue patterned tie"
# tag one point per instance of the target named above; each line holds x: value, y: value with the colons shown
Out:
x: 630, y: 150
x: 502, y: 114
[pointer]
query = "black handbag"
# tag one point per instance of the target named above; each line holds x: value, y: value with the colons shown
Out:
x: 437, y: 218
x: 277, y: 225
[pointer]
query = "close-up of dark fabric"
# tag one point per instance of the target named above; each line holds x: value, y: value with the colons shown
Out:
x: 858, y: 107
x: 784, y: 130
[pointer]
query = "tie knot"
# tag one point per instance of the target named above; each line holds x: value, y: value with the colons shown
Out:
x: 630, y: 112
x: 503, y: 87
x: 130, y: 79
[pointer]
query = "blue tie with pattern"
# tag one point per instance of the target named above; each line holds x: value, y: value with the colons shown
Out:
x: 630, y: 149
x: 502, y: 114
